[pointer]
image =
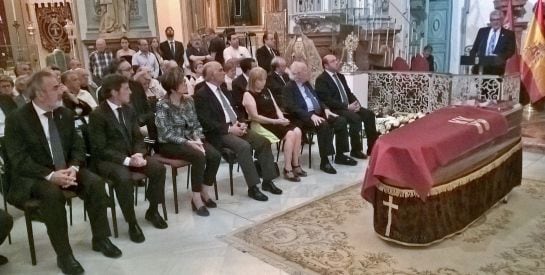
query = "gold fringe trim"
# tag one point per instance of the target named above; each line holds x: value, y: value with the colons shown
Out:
x: 410, y: 193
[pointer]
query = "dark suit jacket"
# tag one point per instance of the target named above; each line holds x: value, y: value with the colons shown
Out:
x: 505, y: 47
x: 211, y: 115
x: 139, y: 102
x: 264, y: 57
x: 239, y: 88
x: 275, y: 85
x: 28, y: 150
x: 329, y: 93
x: 108, y: 141
x: 295, y: 104
x: 7, y: 104
x: 179, y: 52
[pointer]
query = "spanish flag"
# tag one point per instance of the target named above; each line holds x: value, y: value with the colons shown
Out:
x: 533, y: 56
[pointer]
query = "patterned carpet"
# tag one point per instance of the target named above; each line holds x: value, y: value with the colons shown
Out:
x: 334, y: 235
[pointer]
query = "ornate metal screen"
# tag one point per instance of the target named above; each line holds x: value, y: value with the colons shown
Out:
x: 413, y: 92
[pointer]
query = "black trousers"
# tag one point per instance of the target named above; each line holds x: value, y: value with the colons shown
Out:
x: 204, y: 167
x: 121, y: 176
x: 243, y: 146
x: 332, y: 127
x: 354, y: 120
x: 6, y: 223
x: 53, y: 212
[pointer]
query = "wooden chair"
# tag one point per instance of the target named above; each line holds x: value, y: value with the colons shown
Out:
x: 138, y: 179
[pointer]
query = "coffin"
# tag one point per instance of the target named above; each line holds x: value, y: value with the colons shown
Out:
x: 427, y: 185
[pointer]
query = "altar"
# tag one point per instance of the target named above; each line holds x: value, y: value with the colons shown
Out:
x: 434, y: 177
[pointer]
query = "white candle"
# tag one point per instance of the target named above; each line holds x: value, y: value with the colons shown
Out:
x: 14, y: 13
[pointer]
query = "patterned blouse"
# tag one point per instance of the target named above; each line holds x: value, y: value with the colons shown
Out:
x: 177, y: 124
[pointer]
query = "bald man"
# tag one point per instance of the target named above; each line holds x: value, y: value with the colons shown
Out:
x: 304, y: 107
x: 333, y: 90
x: 99, y: 61
x: 223, y: 128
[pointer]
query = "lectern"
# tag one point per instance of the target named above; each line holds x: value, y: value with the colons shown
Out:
x: 480, y: 62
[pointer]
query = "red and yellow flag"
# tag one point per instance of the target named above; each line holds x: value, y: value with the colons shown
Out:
x: 533, y: 56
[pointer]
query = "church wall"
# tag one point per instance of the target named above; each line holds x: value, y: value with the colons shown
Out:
x: 170, y: 13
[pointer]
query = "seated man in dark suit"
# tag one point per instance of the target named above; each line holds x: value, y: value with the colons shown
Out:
x: 277, y: 79
x: 333, y: 90
x: 303, y: 106
x: 222, y: 129
x: 267, y: 52
x: 240, y: 84
x: 117, y: 149
x: 6, y: 223
x: 46, y: 156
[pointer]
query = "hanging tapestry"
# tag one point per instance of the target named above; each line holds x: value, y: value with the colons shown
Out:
x: 52, y: 18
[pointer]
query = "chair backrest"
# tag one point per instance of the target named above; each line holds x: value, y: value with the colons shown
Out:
x: 420, y: 64
x: 4, y: 169
x: 400, y: 64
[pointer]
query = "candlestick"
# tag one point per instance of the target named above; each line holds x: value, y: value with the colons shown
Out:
x: 13, y: 9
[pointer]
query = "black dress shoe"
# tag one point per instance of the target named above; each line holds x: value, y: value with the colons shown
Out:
x: 269, y: 186
x: 358, y: 155
x: 136, y: 234
x: 344, y: 160
x: 69, y: 265
x: 107, y: 248
x: 3, y: 260
x: 156, y: 219
x: 326, y: 167
x: 209, y: 203
x: 201, y: 211
x: 255, y: 194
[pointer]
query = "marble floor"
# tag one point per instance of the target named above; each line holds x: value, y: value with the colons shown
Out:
x: 533, y: 129
x: 192, y: 244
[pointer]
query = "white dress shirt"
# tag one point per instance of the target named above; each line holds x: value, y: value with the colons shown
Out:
x: 2, y: 122
x: 146, y: 60
x: 239, y: 52
x: 219, y: 94
x: 86, y: 97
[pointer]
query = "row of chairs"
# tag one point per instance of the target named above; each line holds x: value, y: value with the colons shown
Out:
x: 31, y: 207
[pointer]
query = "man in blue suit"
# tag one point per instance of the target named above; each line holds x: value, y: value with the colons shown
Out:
x: 304, y: 108
x: 494, y: 41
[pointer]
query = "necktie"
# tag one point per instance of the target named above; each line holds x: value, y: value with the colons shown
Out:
x: 492, y: 44
x: 344, y: 97
x: 272, y: 52
x: 282, y: 78
x: 315, y: 104
x: 122, y: 122
x: 227, y: 106
x: 172, y: 48
x: 56, y: 146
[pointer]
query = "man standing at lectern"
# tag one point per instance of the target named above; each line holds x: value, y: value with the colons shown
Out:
x: 494, y: 41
